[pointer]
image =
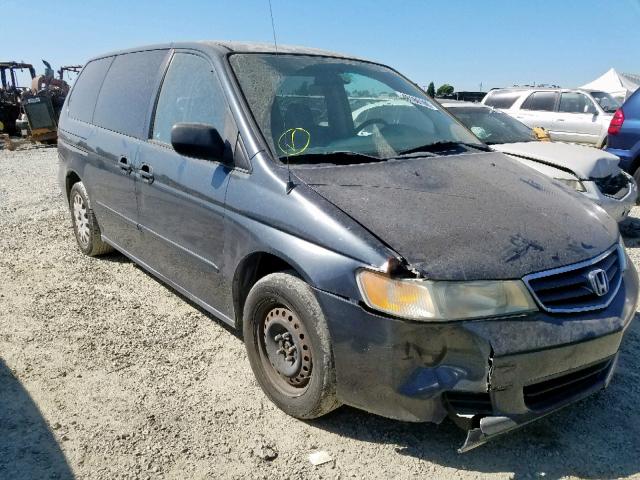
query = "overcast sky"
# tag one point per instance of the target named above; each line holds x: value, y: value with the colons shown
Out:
x: 496, y: 42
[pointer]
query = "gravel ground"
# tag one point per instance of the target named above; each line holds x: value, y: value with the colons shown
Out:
x: 106, y: 373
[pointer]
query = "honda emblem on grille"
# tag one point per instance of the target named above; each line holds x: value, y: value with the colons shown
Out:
x: 599, y: 282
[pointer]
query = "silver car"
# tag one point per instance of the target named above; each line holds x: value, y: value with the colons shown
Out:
x: 593, y: 172
x: 570, y: 115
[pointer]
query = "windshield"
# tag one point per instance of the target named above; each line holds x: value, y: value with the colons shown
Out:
x: 606, y: 101
x: 492, y: 126
x: 311, y: 107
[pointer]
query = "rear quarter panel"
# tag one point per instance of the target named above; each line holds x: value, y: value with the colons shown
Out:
x: 73, y: 147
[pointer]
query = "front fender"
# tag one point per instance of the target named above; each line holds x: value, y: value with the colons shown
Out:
x: 320, y: 267
x: 299, y: 226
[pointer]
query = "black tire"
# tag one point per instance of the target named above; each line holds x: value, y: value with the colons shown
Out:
x: 85, y: 224
x: 308, y: 393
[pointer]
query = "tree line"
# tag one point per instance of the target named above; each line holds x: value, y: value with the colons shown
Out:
x: 444, y: 89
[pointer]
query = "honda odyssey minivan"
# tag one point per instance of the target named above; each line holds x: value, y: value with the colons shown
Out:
x: 397, y: 265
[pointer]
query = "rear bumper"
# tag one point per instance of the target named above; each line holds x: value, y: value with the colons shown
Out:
x: 405, y: 370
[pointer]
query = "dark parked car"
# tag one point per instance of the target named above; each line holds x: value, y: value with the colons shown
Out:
x: 399, y: 266
x: 624, y: 135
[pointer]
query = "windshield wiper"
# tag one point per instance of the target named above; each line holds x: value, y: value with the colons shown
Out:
x: 345, y: 157
x: 337, y: 158
x: 440, y: 146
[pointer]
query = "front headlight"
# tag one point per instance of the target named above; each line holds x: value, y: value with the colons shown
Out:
x: 577, y: 185
x: 436, y: 301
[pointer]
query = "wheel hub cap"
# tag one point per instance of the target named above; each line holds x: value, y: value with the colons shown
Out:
x: 286, y: 345
x: 81, y: 220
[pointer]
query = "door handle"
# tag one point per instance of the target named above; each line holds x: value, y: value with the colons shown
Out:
x: 560, y: 120
x: 146, y: 173
x: 124, y: 164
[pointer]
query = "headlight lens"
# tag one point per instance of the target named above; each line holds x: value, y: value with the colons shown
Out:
x: 577, y: 185
x: 443, y: 301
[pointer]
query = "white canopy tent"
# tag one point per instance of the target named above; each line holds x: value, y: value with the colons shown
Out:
x: 620, y: 85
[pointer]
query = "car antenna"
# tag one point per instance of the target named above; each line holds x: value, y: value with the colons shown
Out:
x: 290, y: 185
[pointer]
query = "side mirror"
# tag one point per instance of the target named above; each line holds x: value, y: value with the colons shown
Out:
x: 198, y: 140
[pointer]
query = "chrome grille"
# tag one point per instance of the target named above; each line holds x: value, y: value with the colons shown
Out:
x: 570, y: 289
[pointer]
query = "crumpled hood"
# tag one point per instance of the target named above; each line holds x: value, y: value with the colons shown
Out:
x: 472, y: 216
x: 585, y: 162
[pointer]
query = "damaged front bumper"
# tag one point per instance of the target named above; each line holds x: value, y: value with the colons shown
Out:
x: 520, y: 403
x: 618, y: 207
x: 490, y: 375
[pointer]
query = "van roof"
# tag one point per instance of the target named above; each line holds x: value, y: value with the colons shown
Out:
x: 221, y: 47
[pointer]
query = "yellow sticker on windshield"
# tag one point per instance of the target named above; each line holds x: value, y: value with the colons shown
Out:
x: 294, y: 141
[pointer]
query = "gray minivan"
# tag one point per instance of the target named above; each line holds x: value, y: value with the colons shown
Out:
x: 397, y: 265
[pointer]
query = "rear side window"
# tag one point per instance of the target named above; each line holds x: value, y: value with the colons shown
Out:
x: 542, y: 101
x: 573, y: 102
x: 190, y: 93
x: 501, y: 99
x: 85, y: 91
x: 127, y: 90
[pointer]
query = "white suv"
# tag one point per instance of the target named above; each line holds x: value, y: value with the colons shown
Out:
x: 569, y: 115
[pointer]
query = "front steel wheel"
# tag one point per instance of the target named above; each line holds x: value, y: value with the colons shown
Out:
x: 285, y: 351
x: 288, y: 346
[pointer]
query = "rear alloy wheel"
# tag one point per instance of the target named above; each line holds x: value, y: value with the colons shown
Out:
x: 81, y: 220
x: 85, y: 225
x: 288, y: 346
